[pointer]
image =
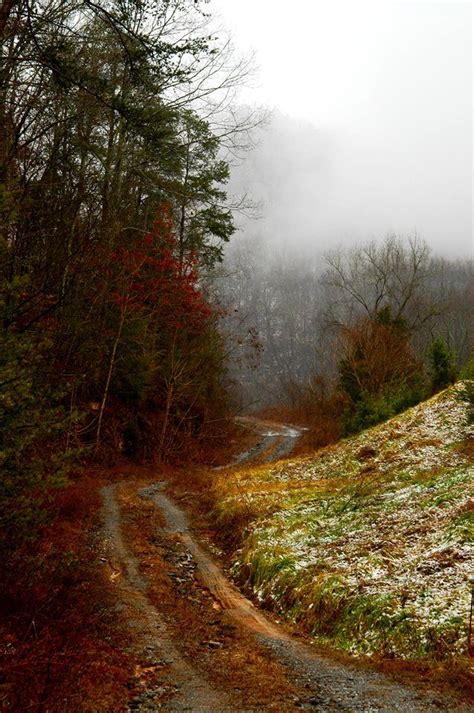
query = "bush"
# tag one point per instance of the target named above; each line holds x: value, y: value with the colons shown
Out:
x: 466, y: 392
x: 31, y: 419
x: 371, y: 409
x: 379, y: 373
x: 442, y: 364
x: 467, y: 372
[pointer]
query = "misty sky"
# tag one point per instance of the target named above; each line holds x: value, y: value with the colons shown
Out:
x: 372, y: 129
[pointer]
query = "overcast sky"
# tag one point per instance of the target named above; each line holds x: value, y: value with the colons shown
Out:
x: 373, y: 119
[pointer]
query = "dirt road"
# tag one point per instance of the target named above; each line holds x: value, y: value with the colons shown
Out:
x: 200, y: 645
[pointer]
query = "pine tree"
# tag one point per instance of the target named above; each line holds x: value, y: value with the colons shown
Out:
x: 442, y: 364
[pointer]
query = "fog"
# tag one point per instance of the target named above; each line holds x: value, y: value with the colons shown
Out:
x: 371, y: 130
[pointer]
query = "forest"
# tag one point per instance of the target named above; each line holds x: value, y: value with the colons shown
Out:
x: 137, y: 322
x: 114, y: 122
x: 366, y: 330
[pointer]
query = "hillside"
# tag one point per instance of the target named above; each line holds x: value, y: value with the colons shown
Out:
x: 367, y: 543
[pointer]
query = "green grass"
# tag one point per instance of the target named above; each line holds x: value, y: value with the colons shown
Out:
x: 370, y: 554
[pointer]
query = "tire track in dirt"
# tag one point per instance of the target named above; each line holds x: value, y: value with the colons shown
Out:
x: 276, y: 441
x: 151, y: 641
x: 322, y: 683
x: 332, y: 686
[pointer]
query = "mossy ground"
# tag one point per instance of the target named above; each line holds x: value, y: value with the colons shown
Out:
x: 368, y: 543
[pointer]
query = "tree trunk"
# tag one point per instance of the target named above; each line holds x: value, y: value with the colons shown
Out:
x: 164, y: 428
x: 109, y: 378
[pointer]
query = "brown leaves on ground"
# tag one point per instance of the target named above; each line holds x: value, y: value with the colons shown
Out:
x: 59, y: 651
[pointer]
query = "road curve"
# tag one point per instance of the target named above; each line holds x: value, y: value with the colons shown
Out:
x: 275, y: 442
x: 322, y: 683
x: 331, y: 686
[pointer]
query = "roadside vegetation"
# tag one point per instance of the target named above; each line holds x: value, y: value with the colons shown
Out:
x: 60, y: 647
x: 367, y: 543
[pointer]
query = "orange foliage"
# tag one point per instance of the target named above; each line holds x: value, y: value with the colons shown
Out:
x: 378, y: 355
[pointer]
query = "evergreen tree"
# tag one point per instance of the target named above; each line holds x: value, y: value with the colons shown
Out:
x: 442, y: 364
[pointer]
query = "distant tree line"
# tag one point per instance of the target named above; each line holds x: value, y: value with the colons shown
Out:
x: 362, y: 332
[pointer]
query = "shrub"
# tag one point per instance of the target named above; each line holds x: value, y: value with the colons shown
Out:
x: 467, y: 391
x: 467, y: 372
x: 442, y: 364
x: 371, y: 409
x: 379, y: 373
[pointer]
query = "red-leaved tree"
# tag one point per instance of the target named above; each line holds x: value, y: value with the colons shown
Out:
x: 151, y: 286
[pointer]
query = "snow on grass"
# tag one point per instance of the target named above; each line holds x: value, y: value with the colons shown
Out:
x: 369, y: 543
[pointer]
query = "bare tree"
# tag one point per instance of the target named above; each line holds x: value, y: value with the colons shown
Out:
x: 394, y: 273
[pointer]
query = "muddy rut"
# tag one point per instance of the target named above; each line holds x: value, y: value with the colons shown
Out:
x: 208, y: 648
x: 151, y: 641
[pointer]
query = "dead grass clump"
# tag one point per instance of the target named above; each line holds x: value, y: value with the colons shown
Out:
x: 231, y: 527
x: 366, y: 452
x: 466, y: 448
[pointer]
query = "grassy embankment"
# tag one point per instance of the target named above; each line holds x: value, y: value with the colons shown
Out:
x: 366, y: 543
